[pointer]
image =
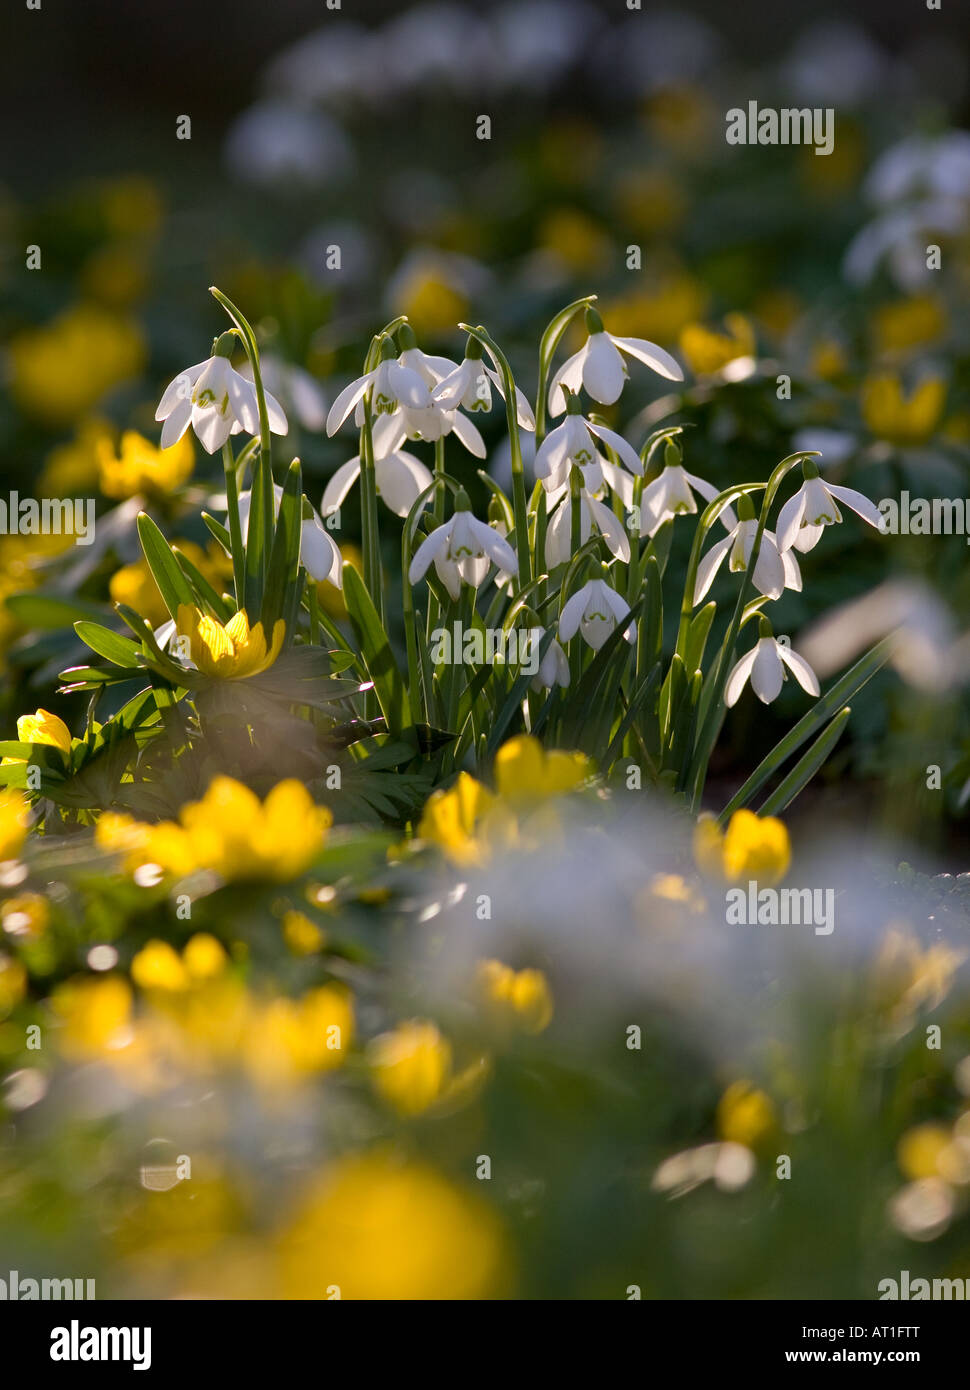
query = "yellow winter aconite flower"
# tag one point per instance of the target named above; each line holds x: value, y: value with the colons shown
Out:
x: 659, y: 313
x: 72, y: 468
x: 578, y: 242
x: 524, y: 771
x: 329, y: 597
x: 204, y: 957
x: 900, y: 419
x: 377, y: 1228
x: 159, y: 966
x: 14, y: 820
x: 920, y: 1150
x: 303, y: 937
x: 13, y: 983
x: 745, y: 1115
x: 230, y: 831
x: 908, y: 323
x: 906, y: 977
x: 287, y: 1039
x: 241, y: 837
x: 63, y: 368
x: 431, y: 301
x: 450, y: 818
x: 95, y: 1013
x: 135, y: 586
x: 140, y: 467
x: 708, y: 351
x: 753, y: 847
x: 44, y: 727
x: 28, y: 916
x: 829, y: 359
x: 410, y: 1067
x: 515, y: 998
x: 231, y: 652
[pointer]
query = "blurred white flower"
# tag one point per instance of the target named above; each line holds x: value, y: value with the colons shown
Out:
x: 835, y: 63
x: 287, y: 148
x: 300, y: 391
x: 594, y: 611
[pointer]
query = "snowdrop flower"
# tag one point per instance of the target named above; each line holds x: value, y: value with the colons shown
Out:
x: 573, y: 444
x: 216, y: 401
x: 672, y: 494
x: 553, y: 668
x: 593, y: 612
x: 430, y: 368
x: 765, y: 665
x: 600, y: 366
x: 319, y: 555
x: 803, y: 517
x: 295, y: 386
x: 392, y: 385
x: 470, y: 387
x: 390, y: 431
x: 593, y: 514
x: 462, y: 549
x: 774, y: 571
x: 399, y: 476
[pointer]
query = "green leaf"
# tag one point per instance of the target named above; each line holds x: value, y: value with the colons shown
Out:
x: 111, y: 645
x: 284, y: 565
x: 37, y: 609
x: 844, y: 689
x: 375, y: 648
x: 806, y: 767
x: 172, y: 583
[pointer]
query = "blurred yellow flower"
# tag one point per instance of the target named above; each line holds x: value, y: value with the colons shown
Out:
x: 287, y: 1039
x: 43, y: 727
x: 525, y: 771
x: 62, y: 369
x: 132, y: 206
x: 410, y: 1067
x: 373, y: 1227
x: 115, y: 274
x: 27, y: 915
x: 920, y: 1150
x: 159, y: 966
x: 897, y: 418
x: 829, y: 359
x: 134, y: 585
x: 745, y: 1115
x: 660, y: 313
x: 707, y: 351
x: 73, y: 467
x: 204, y: 957
x: 450, y: 819
x: 13, y: 983
x: 14, y: 820
x: 515, y: 998
x: 230, y: 832
x: 95, y: 1013
x: 906, y: 977
x: 329, y: 597
x: 302, y: 936
x: 578, y: 242
x: 230, y: 652
x: 908, y: 323
x: 651, y: 201
x: 753, y: 847
x: 141, y: 468
x: 432, y: 303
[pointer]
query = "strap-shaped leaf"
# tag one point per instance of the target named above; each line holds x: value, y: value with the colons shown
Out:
x: 375, y: 648
x: 166, y: 571
x: 111, y: 645
x: 806, y: 767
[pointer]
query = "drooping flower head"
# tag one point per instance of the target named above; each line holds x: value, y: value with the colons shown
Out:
x: 216, y: 401
x: 600, y: 365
